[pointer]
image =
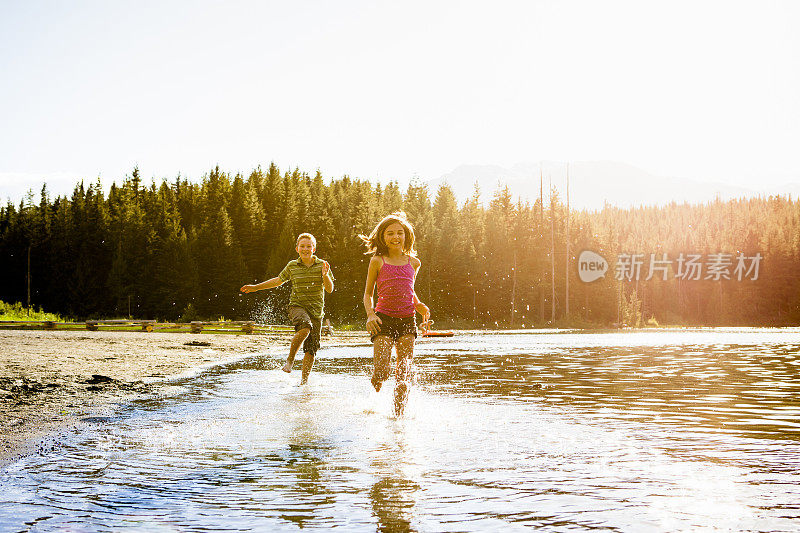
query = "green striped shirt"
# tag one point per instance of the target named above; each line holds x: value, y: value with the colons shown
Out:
x: 307, y: 289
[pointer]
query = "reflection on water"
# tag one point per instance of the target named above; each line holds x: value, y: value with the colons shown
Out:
x: 744, y: 388
x: 392, y: 494
x: 661, y: 431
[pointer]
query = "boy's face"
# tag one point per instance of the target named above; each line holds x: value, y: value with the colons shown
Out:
x: 305, y: 248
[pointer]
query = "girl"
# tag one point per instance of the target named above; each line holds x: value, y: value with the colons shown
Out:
x: 392, y: 321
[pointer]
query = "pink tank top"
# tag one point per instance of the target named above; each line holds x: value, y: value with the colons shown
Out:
x: 395, y: 290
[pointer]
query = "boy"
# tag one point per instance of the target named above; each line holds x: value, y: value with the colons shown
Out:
x: 309, y: 276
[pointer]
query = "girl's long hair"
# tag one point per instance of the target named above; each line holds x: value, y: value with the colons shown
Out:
x: 375, y: 243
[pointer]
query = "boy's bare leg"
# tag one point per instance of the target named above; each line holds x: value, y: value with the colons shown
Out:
x: 297, y: 341
x: 308, y: 363
x: 382, y: 358
x: 402, y: 375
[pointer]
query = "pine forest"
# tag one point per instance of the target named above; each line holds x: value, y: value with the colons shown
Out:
x: 180, y: 251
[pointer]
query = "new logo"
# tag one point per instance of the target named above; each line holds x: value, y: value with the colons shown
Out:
x: 591, y: 266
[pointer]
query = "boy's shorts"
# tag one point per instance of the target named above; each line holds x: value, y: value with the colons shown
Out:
x: 395, y: 327
x: 301, y: 319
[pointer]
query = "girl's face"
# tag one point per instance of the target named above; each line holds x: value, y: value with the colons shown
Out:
x: 394, y: 236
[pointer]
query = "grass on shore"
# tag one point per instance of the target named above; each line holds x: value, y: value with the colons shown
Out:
x: 14, y: 312
x: 17, y: 312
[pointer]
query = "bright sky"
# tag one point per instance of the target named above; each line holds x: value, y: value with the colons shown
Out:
x: 388, y: 90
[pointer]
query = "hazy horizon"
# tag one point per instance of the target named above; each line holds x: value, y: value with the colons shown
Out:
x: 620, y: 184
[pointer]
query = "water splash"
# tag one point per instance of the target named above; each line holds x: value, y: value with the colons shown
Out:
x: 267, y: 312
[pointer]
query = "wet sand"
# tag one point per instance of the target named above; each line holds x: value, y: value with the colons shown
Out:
x: 51, y: 380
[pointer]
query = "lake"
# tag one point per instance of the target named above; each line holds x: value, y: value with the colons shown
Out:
x: 665, y: 430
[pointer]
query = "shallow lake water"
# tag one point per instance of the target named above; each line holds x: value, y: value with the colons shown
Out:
x: 642, y: 431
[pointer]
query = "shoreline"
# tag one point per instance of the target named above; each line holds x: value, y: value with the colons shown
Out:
x: 51, y: 381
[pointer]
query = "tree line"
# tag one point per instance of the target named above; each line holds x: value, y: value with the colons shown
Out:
x: 181, y: 249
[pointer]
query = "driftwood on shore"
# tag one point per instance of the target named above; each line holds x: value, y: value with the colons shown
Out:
x: 246, y: 326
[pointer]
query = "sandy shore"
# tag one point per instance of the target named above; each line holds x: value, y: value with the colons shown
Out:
x: 50, y: 380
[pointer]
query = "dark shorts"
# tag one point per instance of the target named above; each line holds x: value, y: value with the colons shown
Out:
x: 301, y: 319
x: 395, y: 327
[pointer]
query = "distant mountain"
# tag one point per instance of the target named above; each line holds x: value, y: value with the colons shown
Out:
x: 592, y: 184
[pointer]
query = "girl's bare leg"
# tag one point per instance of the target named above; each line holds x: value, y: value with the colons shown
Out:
x: 297, y: 341
x: 382, y: 360
x: 402, y: 373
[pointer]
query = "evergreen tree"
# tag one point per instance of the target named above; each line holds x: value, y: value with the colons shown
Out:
x: 448, y: 293
x: 417, y: 205
x: 220, y: 268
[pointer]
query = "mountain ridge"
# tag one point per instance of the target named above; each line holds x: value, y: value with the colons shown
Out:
x: 593, y: 184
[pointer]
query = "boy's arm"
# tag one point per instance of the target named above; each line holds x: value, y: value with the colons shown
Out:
x: 269, y: 284
x: 327, y: 277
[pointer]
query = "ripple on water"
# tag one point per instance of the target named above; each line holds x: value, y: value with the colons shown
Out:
x: 646, y: 431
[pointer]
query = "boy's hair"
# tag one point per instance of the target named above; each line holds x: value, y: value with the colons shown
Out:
x: 306, y: 236
x: 375, y: 243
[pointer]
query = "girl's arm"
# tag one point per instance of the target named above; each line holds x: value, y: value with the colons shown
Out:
x: 373, y: 322
x: 418, y: 305
x: 269, y: 284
